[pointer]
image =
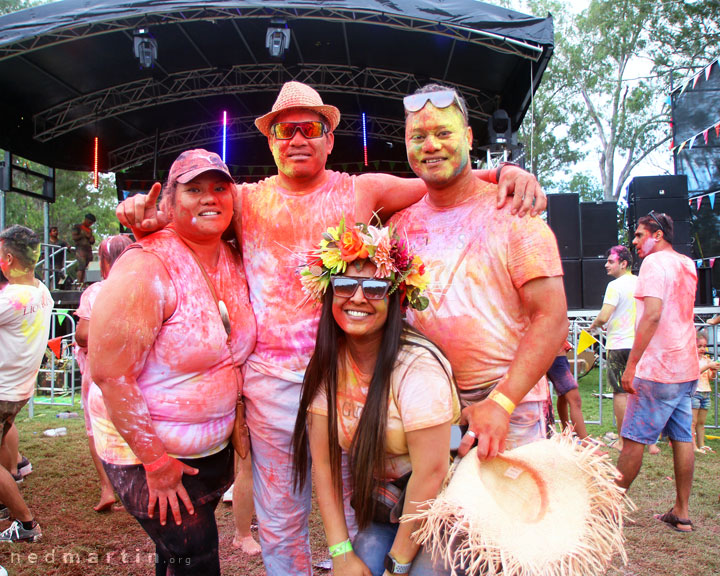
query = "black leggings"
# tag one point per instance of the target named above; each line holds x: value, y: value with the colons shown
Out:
x: 192, y: 547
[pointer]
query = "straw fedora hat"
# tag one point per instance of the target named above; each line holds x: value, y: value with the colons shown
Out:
x: 550, y: 507
x: 296, y: 95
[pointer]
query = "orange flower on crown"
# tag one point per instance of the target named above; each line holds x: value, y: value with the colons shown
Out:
x: 352, y: 246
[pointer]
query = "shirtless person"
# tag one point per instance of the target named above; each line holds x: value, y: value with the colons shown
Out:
x: 276, y: 218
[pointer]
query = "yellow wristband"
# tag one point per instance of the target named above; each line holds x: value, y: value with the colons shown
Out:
x: 505, y: 402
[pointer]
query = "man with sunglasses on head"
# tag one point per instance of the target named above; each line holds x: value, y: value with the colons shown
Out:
x: 662, y: 368
x: 497, y: 304
x: 277, y: 218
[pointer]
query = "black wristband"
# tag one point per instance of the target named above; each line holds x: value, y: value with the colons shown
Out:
x: 500, y: 167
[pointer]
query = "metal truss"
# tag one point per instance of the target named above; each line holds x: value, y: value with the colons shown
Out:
x: 168, y: 13
x: 240, y: 128
x: 194, y: 84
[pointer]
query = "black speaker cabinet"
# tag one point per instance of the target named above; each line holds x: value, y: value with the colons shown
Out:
x: 598, y: 225
x: 572, y: 281
x: 651, y: 187
x: 704, y: 293
x: 682, y: 232
x: 564, y: 220
x: 677, y: 208
x: 594, y: 282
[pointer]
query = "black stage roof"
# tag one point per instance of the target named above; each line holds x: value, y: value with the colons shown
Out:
x: 68, y: 73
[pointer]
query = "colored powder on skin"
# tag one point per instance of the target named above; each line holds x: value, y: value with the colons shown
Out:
x: 648, y: 245
x: 194, y: 220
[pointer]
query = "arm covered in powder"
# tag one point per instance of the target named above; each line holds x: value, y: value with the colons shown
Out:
x: 127, y: 317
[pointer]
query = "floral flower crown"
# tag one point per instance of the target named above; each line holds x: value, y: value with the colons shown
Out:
x: 389, y: 252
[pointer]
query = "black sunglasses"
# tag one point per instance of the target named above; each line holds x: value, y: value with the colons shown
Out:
x: 652, y: 215
x: 373, y: 288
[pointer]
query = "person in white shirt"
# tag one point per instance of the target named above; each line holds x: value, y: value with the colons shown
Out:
x: 25, y: 310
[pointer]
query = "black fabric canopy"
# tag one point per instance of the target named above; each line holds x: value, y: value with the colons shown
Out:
x: 68, y: 74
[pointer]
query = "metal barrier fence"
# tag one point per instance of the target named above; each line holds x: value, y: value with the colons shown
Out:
x: 582, y: 320
x: 58, y: 377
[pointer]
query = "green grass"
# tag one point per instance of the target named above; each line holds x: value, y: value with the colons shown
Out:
x: 63, y: 488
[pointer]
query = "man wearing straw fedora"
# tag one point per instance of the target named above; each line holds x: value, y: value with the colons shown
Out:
x: 277, y: 218
x: 662, y: 368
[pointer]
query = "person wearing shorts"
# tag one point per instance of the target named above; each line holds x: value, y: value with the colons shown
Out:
x: 618, y: 317
x: 25, y: 311
x: 662, y: 368
x: 568, y: 393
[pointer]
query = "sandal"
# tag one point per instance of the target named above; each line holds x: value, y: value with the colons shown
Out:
x: 674, y: 522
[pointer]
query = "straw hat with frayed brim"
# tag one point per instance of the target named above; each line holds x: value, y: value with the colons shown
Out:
x: 550, y: 508
x: 298, y: 96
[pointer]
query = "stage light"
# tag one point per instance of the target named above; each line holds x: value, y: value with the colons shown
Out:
x: 145, y: 48
x: 500, y: 128
x: 95, y: 164
x: 364, y: 139
x: 277, y: 38
x: 224, y: 142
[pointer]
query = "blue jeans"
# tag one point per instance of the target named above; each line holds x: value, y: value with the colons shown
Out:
x: 374, y: 542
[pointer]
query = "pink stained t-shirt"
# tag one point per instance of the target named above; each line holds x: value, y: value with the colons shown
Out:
x: 279, y: 228
x: 189, y: 381
x: 671, y: 355
x: 477, y: 258
x: 422, y: 396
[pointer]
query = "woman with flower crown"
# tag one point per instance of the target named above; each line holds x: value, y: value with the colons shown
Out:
x: 376, y: 394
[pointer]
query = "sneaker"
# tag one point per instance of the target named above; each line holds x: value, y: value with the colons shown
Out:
x: 4, y: 513
x: 25, y: 467
x: 16, y: 533
x: 17, y: 477
x: 227, y: 497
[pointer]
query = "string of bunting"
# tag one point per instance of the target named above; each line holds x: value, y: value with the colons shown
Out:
x: 690, y: 142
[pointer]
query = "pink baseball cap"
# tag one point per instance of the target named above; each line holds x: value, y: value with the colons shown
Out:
x: 191, y: 163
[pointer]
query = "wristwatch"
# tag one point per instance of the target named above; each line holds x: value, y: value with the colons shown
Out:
x: 394, y: 567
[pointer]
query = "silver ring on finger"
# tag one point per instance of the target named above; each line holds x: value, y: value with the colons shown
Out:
x: 471, y: 434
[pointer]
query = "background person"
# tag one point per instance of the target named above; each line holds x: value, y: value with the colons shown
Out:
x: 57, y: 260
x: 168, y: 334
x: 276, y: 217
x: 25, y: 312
x: 662, y: 367
x: 568, y: 393
x: 109, y: 251
x: 617, y: 315
x: 375, y: 390
x: 701, y: 398
x: 83, y: 239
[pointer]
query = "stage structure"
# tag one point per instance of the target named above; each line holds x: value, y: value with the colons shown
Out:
x: 150, y: 79
x: 696, y: 152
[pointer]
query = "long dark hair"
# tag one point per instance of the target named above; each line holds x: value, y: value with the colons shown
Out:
x: 367, y: 450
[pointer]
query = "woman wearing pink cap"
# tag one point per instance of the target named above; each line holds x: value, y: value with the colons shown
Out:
x: 169, y: 332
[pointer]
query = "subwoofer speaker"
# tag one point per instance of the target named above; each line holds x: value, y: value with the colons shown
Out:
x: 594, y: 282
x: 572, y: 279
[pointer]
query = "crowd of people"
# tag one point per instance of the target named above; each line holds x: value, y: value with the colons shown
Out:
x: 350, y: 323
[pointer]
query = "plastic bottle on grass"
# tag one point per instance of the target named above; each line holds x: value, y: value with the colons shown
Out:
x: 66, y: 415
x: 55, y: 432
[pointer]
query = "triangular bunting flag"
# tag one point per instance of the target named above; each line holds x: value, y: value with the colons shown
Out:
x: 696, y: 79
x: 699, y: 201
x: 55, y: 345
x: 687, y: 83
x: 717, y: 130
x: 707, y: 71
x: 61, y: 315
x: 705, y: 134
x: 690, y: 201
x: 585, y: 341
x: 251, y: 169
x: 711, y: 197
x: 682, y: 146
x: 698, y: 263
x: 712, y: 262
x: 692, y: 142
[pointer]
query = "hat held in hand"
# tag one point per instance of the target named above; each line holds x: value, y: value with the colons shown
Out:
x: 550, y: 507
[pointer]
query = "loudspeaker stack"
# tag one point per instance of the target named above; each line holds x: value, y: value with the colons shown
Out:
x: 585, y: 231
